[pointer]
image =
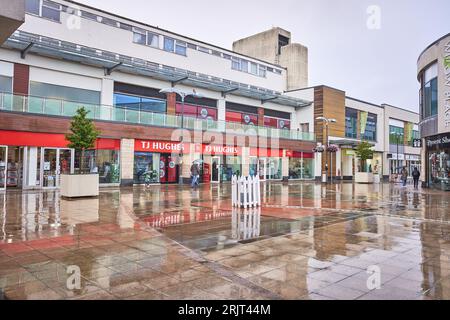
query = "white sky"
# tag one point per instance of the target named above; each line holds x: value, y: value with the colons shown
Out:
x: 378, y: 66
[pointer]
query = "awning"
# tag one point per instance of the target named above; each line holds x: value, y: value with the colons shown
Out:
x: 31, y: 43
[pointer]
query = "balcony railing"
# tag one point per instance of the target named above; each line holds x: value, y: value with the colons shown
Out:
x: 64, y: 108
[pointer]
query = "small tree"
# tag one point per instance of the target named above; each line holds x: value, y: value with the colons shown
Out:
x: 364, y: 152
x: 83, y: 134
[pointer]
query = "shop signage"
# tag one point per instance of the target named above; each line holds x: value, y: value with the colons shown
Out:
x: 447, y: 85
x: 417, y: 143
x: 160, y: 146
x: 411, y: 157
x: 218, y: 149
x: 439, y: 141
x: 395, y: 156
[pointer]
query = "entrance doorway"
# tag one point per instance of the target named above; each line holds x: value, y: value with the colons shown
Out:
x: 168, y: 169
x: 55, y: 162
x: 262, y: 169
x: 3, y: 166
x: 215, y: 170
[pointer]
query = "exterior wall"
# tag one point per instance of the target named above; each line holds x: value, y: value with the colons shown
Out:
x: 12, y: 15
x: 104, y: 37
x: 439, y: 52
x: 293, y: 57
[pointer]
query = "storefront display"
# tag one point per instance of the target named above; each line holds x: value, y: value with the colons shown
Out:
x: 301, y: 165
x: 438, y: 161
x: 146, y: 167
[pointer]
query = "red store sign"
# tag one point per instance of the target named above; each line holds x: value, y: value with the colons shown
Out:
x: 160, y: 146
x: 218, y: 149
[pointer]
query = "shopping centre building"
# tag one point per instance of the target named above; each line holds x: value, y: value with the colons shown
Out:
x: 433, y: 68
x: 246, y: 113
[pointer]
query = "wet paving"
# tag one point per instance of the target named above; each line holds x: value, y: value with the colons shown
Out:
x: 307, y: 241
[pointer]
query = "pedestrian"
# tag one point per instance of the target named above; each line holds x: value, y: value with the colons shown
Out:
x: 404, y: 174
x: 416, y: 176
x: 195, y: 173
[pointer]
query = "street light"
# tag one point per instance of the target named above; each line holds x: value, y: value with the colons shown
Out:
x: 183, y: 95
x: 397, y: 135
x: 327, y: 122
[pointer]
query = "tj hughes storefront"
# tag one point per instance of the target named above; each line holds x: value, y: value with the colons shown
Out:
x: 30, y: 160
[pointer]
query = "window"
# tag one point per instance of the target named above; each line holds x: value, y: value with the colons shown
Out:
x: 371, y: 128
x: 139, y: 36
x: 304, y: 127
x: 180, y: 48
x: 32, y: 6
x: 235, y: 63
x: 152, y: 40
x: 254, y: 68
x: 396, y: 135
x: 137, y: 103
x: 5, y: 84
x: 45, y: 90
x: 244, y: 65
x: 351, y: 119
x: 262, y: 71
x: 430, y: 92
x: 51, y: 10
x: 169, y: 44
x: 203, y: 49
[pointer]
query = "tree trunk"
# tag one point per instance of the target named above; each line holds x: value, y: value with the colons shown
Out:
x: 82, y: 161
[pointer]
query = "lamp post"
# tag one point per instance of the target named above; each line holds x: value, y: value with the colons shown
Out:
x: 327, y: 121
x: 397, y: 135
x: 183, y: 95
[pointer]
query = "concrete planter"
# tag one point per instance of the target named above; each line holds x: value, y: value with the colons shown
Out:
x: 364, y: 177
x: 79, y: 185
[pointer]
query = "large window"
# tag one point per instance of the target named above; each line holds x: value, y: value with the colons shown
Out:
x: 396, y: 135
x: 33, y: 6
x: 278, y: 123
x: 242, y: 117
x: 196, y: 111
x: 51, y: 91
x: 103, y: 162
x: 351, y: 120
x: 371, y: 128
x: 429, y: 97
x: 137, y: 108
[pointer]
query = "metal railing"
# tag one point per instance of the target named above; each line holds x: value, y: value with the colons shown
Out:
x: 64, y: 108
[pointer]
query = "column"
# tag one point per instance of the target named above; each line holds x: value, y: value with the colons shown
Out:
x: 285, y: 167
x: 221, y: 114
x: 245, y: 161
x: 261, y: 116
x: 318, y: 166
x: 126, y: 162
x: 107, y: 99
x: 32, y: 169
x: 188, y: 158
x: 171, y: 103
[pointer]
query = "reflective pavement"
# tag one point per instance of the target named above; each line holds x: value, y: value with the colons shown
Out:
x: 307, y: 241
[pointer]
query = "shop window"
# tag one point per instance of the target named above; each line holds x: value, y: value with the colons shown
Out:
x: 180, y: 48
x: 137, y: 103
x: 51, y: 91
x: 254, y: 68
x: 139, y: 36
x: 146, y: 167
x: 103, y: 162
x: 430, y: 92
x: 371, y: 128
x: 196, y: 111
x: 396, y: 135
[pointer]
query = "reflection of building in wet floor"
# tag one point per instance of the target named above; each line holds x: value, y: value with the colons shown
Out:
x: 245, y: 223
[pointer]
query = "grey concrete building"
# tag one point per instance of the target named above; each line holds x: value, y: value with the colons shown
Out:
x: 12, y: 16
x: 433, y: 73
x: 275, y: 46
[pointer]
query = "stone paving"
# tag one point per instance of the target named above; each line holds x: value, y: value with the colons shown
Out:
x: 307, y: 241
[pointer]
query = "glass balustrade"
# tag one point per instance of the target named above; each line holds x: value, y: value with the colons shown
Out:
x: 56, y: 107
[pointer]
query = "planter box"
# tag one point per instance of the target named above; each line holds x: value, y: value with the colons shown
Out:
x: 79, y: 185
x: 364, y: 177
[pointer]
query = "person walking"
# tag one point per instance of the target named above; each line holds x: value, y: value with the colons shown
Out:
x: 195, y: 173
x: 404, y: 174
x: 416, y: 176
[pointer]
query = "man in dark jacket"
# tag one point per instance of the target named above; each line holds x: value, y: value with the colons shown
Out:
x: 416, y: 176
x: 404, y: 176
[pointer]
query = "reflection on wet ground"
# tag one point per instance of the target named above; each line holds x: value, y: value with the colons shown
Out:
x: 307, y: 241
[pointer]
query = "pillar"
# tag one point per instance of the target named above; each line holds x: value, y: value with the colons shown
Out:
x: 221, y: 114
x: 126, y: 162
x: 245, y: 161
x: 285, y: 167
x: 107, y: 99
x: 171, y: 103
x: 188, y: 158
x: 318, y: 166
x: 261, y: 116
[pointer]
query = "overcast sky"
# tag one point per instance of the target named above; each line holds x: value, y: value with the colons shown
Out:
x: 376, y: 65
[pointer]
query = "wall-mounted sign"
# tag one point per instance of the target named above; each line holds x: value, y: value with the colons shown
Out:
x: 439, y: 141
x: 160, y: 146
x: 446, y: 66
x: 221, y: 150
x: 417, y: 143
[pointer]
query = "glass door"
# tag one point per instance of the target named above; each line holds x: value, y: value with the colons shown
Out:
x: 262, y: 168
x: 55, y: 162
x: 215, y: 170
x: 3, y: 166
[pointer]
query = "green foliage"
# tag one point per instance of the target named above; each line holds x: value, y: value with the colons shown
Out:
x: 83, y: 132
x: 364, y: 151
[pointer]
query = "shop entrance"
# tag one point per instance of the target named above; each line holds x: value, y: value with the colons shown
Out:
x: 3, y: 166
x: 55, y: 162
x: 168, y: 169
x: 215, y: 170
x: 262, y: 169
